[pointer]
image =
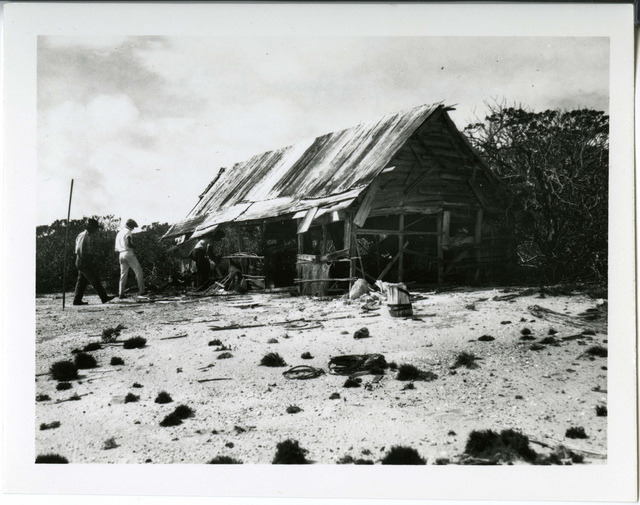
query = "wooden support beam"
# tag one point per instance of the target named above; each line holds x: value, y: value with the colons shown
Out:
x: 365, y: 206
x: 419, y: 180
x: 349, y: 239
x: 446, y: 225
x: 300, y: 240
x: 308, y: 219
x: 366, y: 231
x: 391, y: 263
x: 477, y: 241
x: 239, y: 242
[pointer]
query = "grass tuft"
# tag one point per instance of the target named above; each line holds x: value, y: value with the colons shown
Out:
x: 601, y: 411
x: 63, y: 386
x: 352, y: 383
x: 525, y: 331
x: 109, y: 444
x: 131, y: 398
x: 93, y: 346
x: 170, y: 420
x: 576, y: 432
x: 64, y: 371
x: 135, y: 343
x: 163, y: 397
x: 272, y: 359
x: 467, y: 360
x: 293, y: 409
x: 51, y: 458
x: 184, y: 412
x: 400, y: 455
x: 85, y: 361
x: 224, y: 460
x: 289, y: 452
x: 412, y: 373
x: 407, y: 386
x: 597, y: 350
x: 306, y: 355
x: 507, y: 446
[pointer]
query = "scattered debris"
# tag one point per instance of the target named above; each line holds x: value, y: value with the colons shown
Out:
x: 400, y: 455
x: 175, y: 336
x: 216, y: 379
x: 550, y: 341
x: 293, y: 409
x: 50, y: 426
x: 51, y: 458
x: 361, y: 333
x: 224, y: 460
x: 272, y: 359
x: 536, y: 347
x: 505, y: 322
x: 302, y: 372
x: 64, y: 371
x: 74, y: 398
x: 135, y: 343
x: 576, y: 432
x: 352, y: 363
x: 225, y: 355
x: 527, y: 338
x: 289, y: 452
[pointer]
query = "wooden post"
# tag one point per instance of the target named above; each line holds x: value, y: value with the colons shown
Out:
x: 324, y: 248
x: 64, y: 258
x: 477, y: 242
x: 400, y: 248
x: 300, y: 241
x: 349, y: 241
x: 440, y: 251
x: 446, y: 227
x: 239, y: 244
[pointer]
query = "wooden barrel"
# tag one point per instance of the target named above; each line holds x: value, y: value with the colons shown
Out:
x: 399, y: 300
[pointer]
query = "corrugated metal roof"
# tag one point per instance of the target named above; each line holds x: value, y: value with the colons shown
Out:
x: 323, y: 171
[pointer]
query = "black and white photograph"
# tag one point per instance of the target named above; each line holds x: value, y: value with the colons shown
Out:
x: 322, y: 235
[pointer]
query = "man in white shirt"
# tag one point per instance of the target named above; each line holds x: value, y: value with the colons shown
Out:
x: 128, y: 258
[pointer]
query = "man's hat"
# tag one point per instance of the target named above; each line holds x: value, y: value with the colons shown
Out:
x: 92, y: 224
x: 131, y: 223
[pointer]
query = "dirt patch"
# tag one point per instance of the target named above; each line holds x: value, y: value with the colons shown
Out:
x: 382, y: 413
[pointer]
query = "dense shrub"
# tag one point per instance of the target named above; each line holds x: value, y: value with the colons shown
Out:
x: 399, y: 455
x: 289, y: 452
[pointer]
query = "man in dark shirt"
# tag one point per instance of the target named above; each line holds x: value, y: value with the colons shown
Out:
x: 86, y: 270
x: 200, y: 256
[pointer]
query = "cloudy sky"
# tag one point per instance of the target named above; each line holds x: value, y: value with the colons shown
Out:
x: 142, y: 124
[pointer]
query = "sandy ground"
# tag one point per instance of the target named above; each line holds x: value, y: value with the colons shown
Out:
x: 541, y: 393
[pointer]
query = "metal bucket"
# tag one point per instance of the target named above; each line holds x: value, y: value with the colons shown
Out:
x: 399, y: 300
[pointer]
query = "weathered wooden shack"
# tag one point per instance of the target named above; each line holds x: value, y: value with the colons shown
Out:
x: 403, y: 198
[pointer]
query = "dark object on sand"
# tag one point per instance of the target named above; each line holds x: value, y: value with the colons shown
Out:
x: 527, y: 337
x: 117, y: 361
x: 64, y: 371
x: 225, y: 355
x: 306, y: 355
x: 302, y: 372
x: 50, y: 426
x: 51, y: 458
x: 224, y: 460
x: 184, y: 412
x: 215, y: 341
x: 171, y: 420
x: 597, y: 350
x: 93, y: 346
x: 486, y: 338
x: 111, y: 334
x: 293, y: 409
x: 525, y: 331
x: 352, y: 363
x: 136, y: 385
x: 412, y: 373
x: 400, y: 455
x: 352, y: 383
x: 289, y: 452
x: 408, y: 386
x: 536, y: 347
x: 273, y: 341
x: 334, y: 396
x: 63, y: 386
x: 163, y: 397
x: 43, y: 398
x: 135, y: 343
x: 361, y: 333
x: 85, y: 361
x: 272, y: 359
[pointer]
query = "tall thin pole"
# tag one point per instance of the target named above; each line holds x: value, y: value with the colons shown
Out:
x: 64, y: 260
